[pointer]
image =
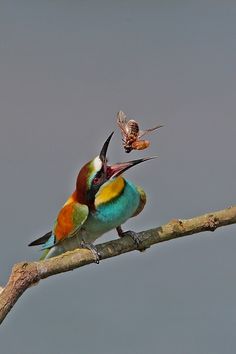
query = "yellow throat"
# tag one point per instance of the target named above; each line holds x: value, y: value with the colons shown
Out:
x: 109, y: 191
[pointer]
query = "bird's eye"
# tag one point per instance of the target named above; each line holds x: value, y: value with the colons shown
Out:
x: 96, y: 180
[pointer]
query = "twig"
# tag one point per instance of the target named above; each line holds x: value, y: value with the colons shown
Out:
x: 25, y: 274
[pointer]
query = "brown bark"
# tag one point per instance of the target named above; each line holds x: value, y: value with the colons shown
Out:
x: 25, y: 274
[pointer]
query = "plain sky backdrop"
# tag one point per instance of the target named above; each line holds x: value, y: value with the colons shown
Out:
x: 66, y: 68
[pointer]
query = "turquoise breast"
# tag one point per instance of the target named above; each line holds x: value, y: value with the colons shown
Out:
x: 114, y: 213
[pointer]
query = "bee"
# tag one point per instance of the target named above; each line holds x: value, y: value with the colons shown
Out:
x: 131, y: 133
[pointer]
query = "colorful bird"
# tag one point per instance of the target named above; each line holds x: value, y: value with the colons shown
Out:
x: 103, y: 200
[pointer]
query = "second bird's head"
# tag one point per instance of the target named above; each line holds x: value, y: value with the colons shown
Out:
x: 97, y: 172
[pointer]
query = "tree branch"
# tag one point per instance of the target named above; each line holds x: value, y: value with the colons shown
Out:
x: 25, y: 274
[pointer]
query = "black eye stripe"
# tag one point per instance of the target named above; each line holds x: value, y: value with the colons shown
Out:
x: 98, y: 174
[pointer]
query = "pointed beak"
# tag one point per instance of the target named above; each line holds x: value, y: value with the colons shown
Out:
x: 103, y: 152
x: 120, y: 167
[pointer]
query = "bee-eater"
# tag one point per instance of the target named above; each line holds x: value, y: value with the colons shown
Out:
x: 103, y: 200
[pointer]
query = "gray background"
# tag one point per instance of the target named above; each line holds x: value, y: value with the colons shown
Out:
x: 66, y: 68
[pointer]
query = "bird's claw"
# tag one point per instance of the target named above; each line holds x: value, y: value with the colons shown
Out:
x: 93, y: 249
x: 134, y: 236
x: 129, y: 233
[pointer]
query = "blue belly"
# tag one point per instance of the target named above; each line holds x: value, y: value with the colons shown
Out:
x: 110, y: 215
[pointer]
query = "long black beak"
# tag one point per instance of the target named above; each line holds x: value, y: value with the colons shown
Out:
x: 120, y: 167
x: 103, y: 152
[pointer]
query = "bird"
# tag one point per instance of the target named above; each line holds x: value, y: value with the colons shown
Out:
x: 103, y: 200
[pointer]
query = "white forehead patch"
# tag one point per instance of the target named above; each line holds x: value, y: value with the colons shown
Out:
x: 97, y: 163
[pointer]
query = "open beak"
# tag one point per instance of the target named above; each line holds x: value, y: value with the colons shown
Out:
x: 103, y: 153
x: 120, y: 167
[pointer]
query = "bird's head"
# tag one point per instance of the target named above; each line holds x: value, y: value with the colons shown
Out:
x: 97, y: 172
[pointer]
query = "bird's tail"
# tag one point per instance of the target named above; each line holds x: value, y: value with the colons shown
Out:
x: 41, y: 240
x: 44, y: 240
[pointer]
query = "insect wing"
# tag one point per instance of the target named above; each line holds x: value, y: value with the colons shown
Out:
x: 122, y: 123
x: 147, y: 131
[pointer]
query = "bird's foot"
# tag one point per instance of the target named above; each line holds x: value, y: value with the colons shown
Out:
x: 93, y: 249
x: 129, y: 233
